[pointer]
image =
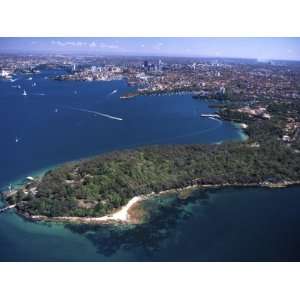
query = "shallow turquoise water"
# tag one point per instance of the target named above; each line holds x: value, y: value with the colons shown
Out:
x: 232, y: 224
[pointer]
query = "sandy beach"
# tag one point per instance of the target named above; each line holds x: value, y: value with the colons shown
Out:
x: 121, y: 215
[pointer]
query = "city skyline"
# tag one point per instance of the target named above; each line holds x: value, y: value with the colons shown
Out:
x: 253, y: 48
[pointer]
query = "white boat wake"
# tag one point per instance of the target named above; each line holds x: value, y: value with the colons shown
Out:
x: 113, y: 92
x: 95, y: 113
x: 215, y: 119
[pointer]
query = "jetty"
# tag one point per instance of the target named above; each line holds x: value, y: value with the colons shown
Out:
x: 210, y: 116
x: 3, y: 209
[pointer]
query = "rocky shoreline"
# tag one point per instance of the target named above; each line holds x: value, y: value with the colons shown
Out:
x: 123, y: 216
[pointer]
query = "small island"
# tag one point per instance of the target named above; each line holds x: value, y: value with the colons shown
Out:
x: 103, y: 188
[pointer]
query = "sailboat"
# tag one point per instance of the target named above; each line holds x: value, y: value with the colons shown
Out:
x: 24, y: 93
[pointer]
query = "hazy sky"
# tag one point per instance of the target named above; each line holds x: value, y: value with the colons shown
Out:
x: 261, y: 48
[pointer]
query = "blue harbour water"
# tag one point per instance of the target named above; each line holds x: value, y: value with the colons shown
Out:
x: 59, y: 121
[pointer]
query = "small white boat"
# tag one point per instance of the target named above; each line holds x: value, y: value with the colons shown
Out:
x: 113, y: 92
x: 17, y: 140
x: 24, y: 93
x: 34, y: 84
x: 56, y: 110
x: 30, y: 78
x: 19, y: 86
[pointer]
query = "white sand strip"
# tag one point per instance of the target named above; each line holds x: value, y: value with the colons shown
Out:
x: 119, y: 216
x: 122, y: 214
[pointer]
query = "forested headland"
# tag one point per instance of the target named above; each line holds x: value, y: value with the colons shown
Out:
x: 99, y: 185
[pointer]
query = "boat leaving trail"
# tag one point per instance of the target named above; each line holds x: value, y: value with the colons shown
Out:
x: 113, y: 92
x: 95, y: 113
x: 215, y: 119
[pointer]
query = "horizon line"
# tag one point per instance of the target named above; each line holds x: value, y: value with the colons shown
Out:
x: 83, y: 53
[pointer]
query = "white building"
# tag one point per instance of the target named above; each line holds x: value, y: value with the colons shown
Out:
x: 4, y: 73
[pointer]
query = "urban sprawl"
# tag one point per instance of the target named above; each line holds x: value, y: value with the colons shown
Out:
x: 249, y: 85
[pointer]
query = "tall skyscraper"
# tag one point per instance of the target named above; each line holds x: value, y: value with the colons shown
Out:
x: 146, y: 64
